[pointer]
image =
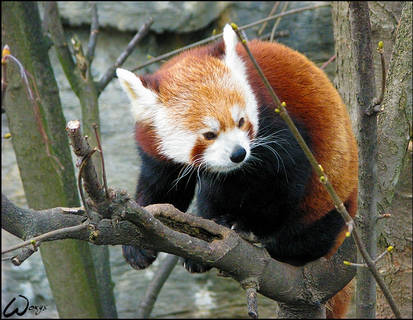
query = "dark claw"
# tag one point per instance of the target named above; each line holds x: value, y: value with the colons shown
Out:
x: 195, y: 267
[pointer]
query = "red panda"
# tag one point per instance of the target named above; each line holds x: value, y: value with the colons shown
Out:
x: 205, y: 118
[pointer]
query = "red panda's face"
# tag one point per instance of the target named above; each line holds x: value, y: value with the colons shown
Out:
x: 203, y: 112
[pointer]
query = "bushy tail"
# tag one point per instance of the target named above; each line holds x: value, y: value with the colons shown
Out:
x: 337, y: 306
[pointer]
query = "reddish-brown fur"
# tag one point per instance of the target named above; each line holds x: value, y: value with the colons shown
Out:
x: 332, y: 140
x: 197, y: 88
x: 148, y: 139
x: 337, y: 306
x: 199, y: 149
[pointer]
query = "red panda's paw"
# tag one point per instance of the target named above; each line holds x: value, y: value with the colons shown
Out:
x: 246, y: 235
x: 138, y: 258
x: 195, y: 267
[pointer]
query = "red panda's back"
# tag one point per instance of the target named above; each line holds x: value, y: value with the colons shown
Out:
x: 312, y: 99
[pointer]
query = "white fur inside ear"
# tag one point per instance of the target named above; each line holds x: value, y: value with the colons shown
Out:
x: 239, y: 74
x: 144, y: 101
x: 230, y: 40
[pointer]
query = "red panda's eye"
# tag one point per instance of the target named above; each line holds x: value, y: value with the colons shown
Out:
x: 210, y: 135
x: 241, y: 122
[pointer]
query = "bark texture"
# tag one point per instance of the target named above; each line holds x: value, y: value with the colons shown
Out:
x: 393, y: 130
x: 48, y: 179
x: 366, y: 132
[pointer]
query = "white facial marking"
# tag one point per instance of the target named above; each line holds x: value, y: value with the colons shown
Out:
x: 212, y: 124
x: 217, y: 155
x: 176, y: 142
x: 239, y: 75
x: 144, y: 101
x: 236, y: 113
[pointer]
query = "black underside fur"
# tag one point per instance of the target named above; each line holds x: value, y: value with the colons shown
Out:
x: 261, y: 197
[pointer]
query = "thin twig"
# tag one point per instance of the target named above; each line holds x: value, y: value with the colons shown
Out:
x: 105, y: 184
x: 251, y: 287
x: 94, y: 30
x: 7, y: 258
x: 42, y: 130
x: 389, y: 249
x: 383, y: 72
x: 212, y: 38
x: 377, y: 276
x: 383, y: 216
x: 282, y: 111
x: 325, y: 64
x: 79, y: 181
x: 110, y: 73
x: 277, y: 22
x: 274, y: 8
x: 47, y: 235
x: 364, y: 265
x: 24, y: 254
x: 278, y: 34
x: 376, y: 105
x: 4, y: 53
x: 155, y: 286
x: 280, y: 108
x: 34, y: 99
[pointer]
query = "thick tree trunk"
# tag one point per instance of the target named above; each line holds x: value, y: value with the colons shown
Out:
x: 48, y: 179
x: 396, y: 187
x: 366, y: 133
x: 394, y: 131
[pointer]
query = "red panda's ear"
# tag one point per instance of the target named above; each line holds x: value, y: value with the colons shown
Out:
x: 230, y: 40
x: 144, y: 100
x: 216, y: 49
x: 238, y: 69
x: 150, y: 81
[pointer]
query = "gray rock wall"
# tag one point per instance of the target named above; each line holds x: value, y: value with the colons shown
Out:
x: 172, y: 16
x: 309, y: 32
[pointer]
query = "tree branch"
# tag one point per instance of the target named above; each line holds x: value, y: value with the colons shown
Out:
x: 217, y: 36
x: 110, y: 73
x: 62, y: 48
x: 82, y: 149
x: 94, y: 30
x: 161, y: 227
x: 155, y: 286
x: 367, y: 124
x: 362, y: 50
x: 365, y: 90
x: 277, y: 22
x: 46, y: 235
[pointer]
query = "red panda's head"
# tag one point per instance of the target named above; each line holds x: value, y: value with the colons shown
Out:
x: 202, y: 110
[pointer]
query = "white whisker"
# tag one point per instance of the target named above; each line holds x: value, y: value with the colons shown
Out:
x: 270, y: 142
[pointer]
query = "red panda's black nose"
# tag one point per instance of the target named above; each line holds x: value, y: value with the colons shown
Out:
x: 238, y: 154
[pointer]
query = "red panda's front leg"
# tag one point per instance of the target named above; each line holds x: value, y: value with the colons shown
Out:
x: 158, y: 183
x: 297, y: 243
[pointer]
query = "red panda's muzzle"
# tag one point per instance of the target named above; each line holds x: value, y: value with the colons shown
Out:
x: 228, y: 152
x: 238, y: 155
